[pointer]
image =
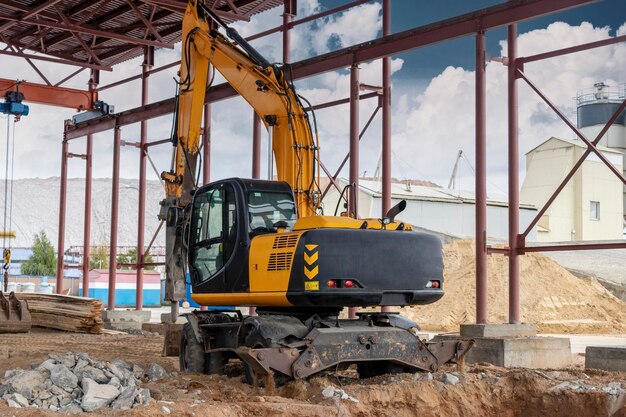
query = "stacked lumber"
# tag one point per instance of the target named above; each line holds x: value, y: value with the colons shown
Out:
x: 65, y: 312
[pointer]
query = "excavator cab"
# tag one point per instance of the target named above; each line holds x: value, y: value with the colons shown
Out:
x: 225, y: 217
x: 246, y: 246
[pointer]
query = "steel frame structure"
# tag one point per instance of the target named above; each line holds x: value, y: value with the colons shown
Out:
x: 477, y: 23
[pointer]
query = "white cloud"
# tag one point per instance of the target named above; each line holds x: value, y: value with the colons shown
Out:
x: 430, y: 128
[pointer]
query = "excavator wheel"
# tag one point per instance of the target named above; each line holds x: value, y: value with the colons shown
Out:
x: 376, y: 368
x: 192, y: 357
x: 256, y: 341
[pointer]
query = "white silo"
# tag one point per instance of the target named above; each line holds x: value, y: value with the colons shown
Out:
x: 595, y: 106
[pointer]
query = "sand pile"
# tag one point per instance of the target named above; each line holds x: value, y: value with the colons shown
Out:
x: 551, y: 297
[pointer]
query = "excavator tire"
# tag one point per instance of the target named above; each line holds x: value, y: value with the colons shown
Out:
x: 191, y: 356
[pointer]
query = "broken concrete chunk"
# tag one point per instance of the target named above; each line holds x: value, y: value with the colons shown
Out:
x: 92, y: 373
x: 155, y: 371
x: 26, y: 383
x: 97, y: 395
x: 450, y: 379
x: 122, y: 364
x: 62, y: 376
x: 143, y: 396
x: 126, y: 399
x: 16, y: 398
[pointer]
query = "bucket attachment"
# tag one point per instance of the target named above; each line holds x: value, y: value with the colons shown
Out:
x: 14, y: 315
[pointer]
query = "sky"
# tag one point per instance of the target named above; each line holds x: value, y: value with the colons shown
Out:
x: 432, y: 98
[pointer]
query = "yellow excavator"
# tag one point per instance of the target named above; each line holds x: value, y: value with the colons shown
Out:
x: 244, y: 242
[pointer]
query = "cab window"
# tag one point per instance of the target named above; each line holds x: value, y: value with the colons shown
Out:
x: 268, y: 208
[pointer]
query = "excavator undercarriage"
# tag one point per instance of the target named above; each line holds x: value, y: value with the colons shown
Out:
x: 283, y: 345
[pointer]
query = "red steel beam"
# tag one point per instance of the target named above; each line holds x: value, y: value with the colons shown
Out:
x: 592, y: 146
x: 574, y: 247
x: 137, y: 77
x: 456, y: 27
x: 32, y: 11
x: 308, y: 19
x: 51, y: 95
x: 56, y: 60
x: 572, y: 49
x: 70, y: 27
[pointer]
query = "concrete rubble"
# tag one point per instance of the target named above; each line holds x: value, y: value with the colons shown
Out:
x: 76, y: 383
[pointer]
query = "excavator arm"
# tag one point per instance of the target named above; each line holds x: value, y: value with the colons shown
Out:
x: 263, y: 86
x: 272, y: 97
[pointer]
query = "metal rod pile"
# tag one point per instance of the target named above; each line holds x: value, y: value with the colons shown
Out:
x: 65, y: 312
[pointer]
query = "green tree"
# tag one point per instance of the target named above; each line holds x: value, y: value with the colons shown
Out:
x: 99, y: 257
x: 43, y: 261
x: 130, y: 257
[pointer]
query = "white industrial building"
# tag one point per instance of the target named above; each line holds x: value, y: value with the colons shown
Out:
x: 442, y: 210
x: 591, y: 206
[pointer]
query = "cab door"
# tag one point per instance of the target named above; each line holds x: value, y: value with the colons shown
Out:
x: 215, y: 240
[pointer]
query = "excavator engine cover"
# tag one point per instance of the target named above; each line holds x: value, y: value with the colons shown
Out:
x: 14, y: 315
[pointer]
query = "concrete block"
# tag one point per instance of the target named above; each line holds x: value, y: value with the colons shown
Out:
x: 153, y: 328
x: 498, y: 330
x: 122, y: 326
x: 140, y: 316
x: 167, y: 318
x: 608, y: 358
x: 524, y: 352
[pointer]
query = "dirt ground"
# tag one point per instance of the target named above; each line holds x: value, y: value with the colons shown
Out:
x: 483, y: 391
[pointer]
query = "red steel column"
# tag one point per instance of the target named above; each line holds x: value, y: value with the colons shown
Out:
x: 256, y: 161
x: 386, y: 151
x: 481, y: 181
x: 115, y: 197
x: 514, y: 302
x: 206, y: 152
x: 93, y: 84
x: 290, y: 11
x: 87, y: 221
x: 354, y: 141
x: 141, y: 217
x: 354, y: 153
x: 256, y: 146
x: 62, y: 207
x: 386, y: 106
x: 206, y: 145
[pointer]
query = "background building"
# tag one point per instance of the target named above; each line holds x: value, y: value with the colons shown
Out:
x: 590, y: 207
x: 441, y: 210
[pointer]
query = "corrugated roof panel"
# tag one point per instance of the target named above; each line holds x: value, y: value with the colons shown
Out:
x: 41, y: 32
